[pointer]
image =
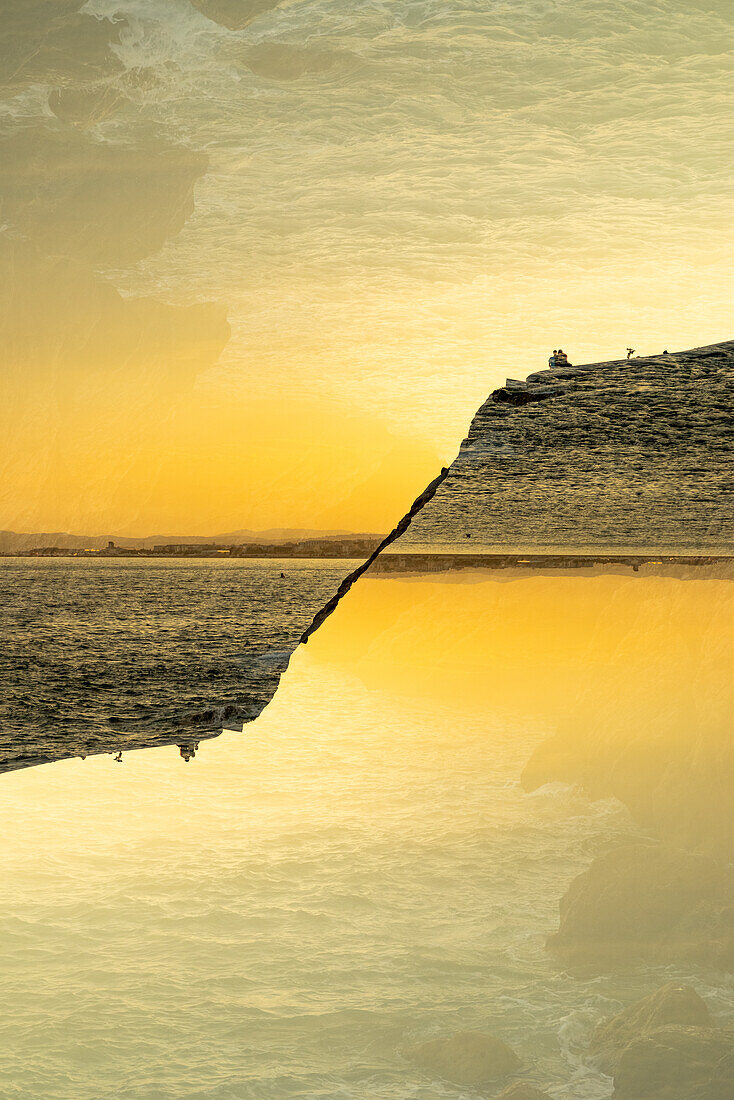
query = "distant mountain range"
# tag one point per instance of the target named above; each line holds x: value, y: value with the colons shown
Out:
x: 12, y: 542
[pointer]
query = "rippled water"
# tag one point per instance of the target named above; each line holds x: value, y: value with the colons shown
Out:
x: 285, y: 914
x: 100, y: 656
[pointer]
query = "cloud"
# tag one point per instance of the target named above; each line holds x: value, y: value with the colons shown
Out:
x: 52, y: 42
x: 106, y: 204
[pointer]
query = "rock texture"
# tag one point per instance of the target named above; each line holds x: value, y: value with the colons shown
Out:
x: 678, y: 1063
x: 630, y: 453
x: 674, y: 771
x: 522, y: 1090
x: 92, y: 201
x: 467, y: 1058
x: 234, y: 14
x: 671, y: 1004
x: 647, y: 902
x: 418, y: 504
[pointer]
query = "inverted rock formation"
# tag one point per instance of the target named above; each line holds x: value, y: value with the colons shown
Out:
x: 234, y: 14
x: 467, y: 1058
x: 647, y: 902
x: 94, y: 201
x: 110, y: 662
x: 678, y: 1063
x: 673, y: 1003
x: 522, y: 1090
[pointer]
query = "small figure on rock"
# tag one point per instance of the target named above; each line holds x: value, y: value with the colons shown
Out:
x: 630, y: 352
x: 561, y: 358
x: 552, y: 359
x: 118, y: 757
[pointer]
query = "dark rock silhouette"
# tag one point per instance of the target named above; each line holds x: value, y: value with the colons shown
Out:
x: 647, y: 902
x: 234, y: 14
x: 108, y: 204
x: 671, y: 1004
x: 53, y: 42
x: 522, y: 1090
x: 675, y: 778
x: 678, y: 1063
x: 467, y: 1058
x: 399, y: 529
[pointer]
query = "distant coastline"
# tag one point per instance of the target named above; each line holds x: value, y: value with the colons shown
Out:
x: 411, y: 563
x: 302, y: 548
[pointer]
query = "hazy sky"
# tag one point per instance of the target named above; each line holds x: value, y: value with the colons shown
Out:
x: 260, y: 269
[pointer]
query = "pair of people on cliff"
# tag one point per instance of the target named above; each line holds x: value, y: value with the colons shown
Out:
x: 558, y: 359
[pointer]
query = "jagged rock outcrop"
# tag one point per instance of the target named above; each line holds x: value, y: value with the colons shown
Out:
x: 630, y: 453
x: 678, y: 1063
x: 146, y: 676
x: 94, y: 201
x: 673, y: 1003
x: 403, y: 525
x: 234, y: 14
x: 53, y: 42
x: 647, y: 902
x: 522, y: 1090
x: 467, y: 1058
x: 674, y: 773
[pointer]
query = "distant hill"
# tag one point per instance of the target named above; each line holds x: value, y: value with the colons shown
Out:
x: 12, y: 542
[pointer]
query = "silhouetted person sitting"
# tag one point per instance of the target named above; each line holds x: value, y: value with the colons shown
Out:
x: 561, y: 358
x: 552, y: 359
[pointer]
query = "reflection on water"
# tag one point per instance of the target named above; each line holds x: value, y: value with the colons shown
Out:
x: 359, y: 872
x: 104, y: 655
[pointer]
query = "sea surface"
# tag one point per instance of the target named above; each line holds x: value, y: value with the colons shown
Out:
x: 106, y: 655
x: 358, y: 871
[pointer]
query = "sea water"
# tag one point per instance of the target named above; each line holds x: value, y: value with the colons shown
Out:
x: 105, y: 654
x: 284, y: 915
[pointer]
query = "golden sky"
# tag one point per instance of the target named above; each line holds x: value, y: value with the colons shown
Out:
x: 261, y: 262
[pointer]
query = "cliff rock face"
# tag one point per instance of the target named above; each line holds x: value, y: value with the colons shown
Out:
x: 234, y: 14
x: 678, y: 1063
x: 522, y: 1090
x: 671, y: 1004
x: 631, y: 453
x: 467, y: 1058
x: 647, y: 902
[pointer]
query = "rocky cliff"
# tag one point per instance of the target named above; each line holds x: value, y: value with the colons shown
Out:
x: 626, y: 454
